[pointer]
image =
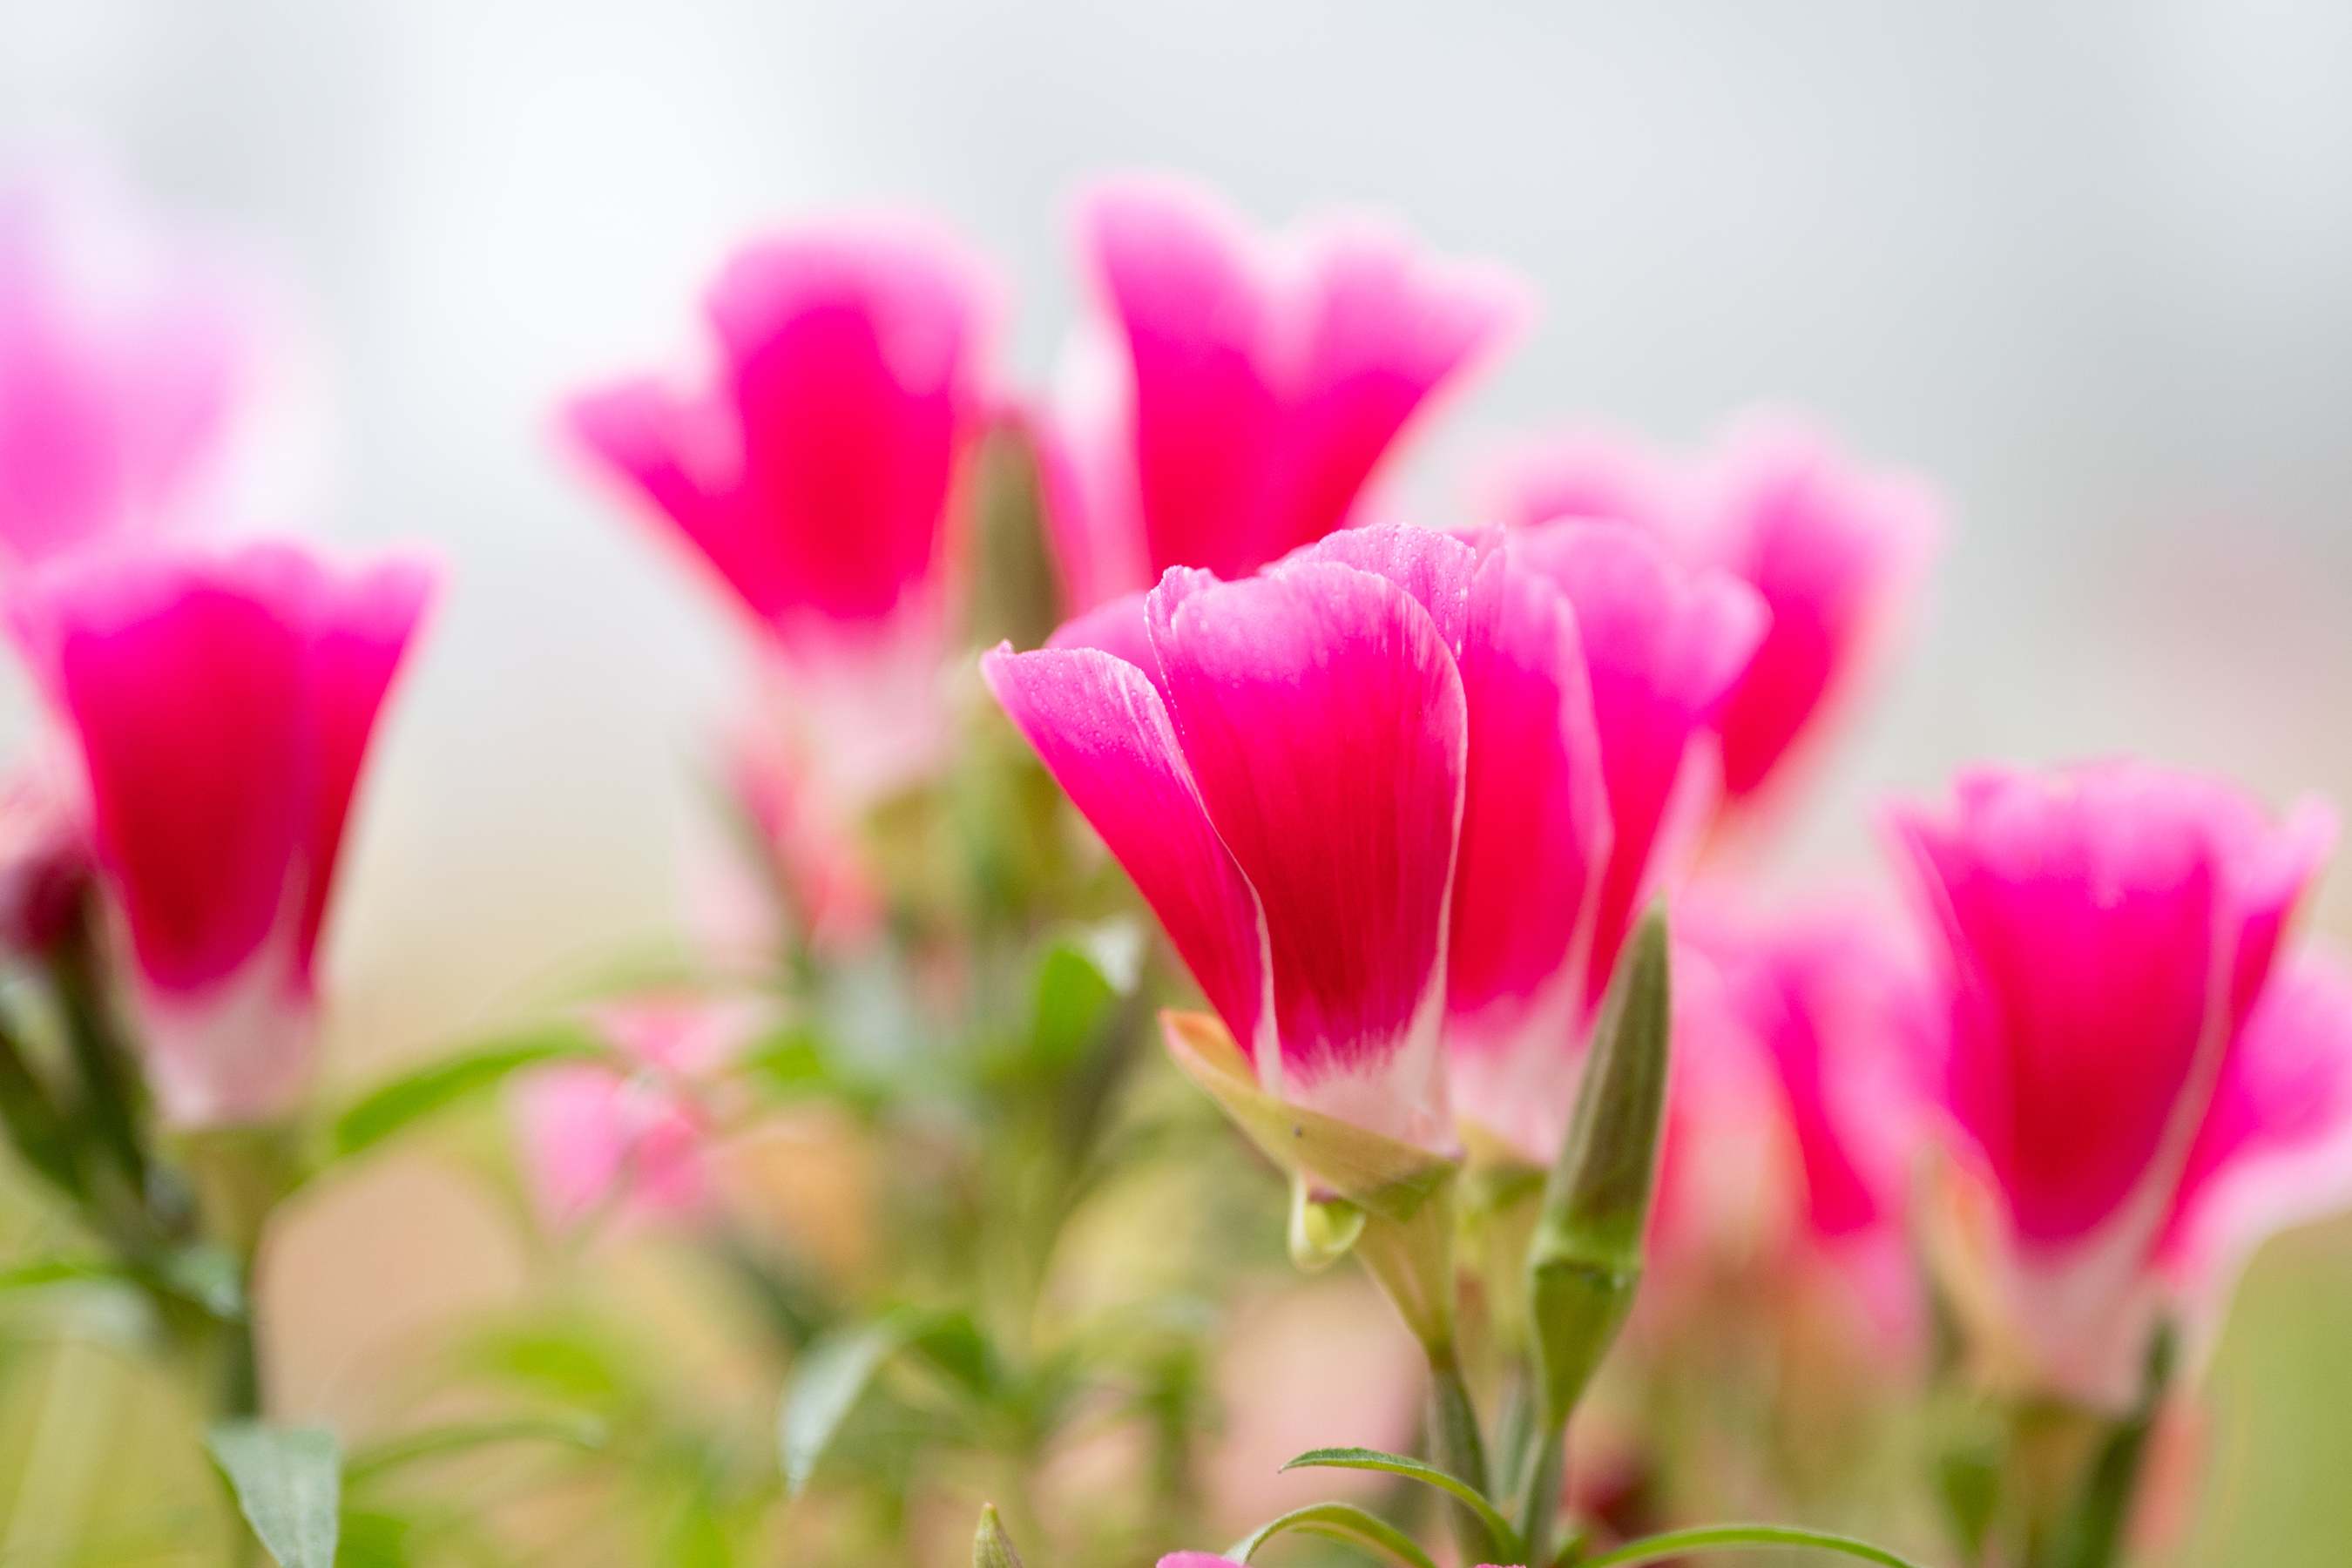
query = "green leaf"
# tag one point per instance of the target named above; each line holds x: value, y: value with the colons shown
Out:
x: 1715, y: 1538
x: 287, y: 1480
x: 62, y: 1271
x: 1415, y: 1470
x: 436, y: 1442
x: 1337, y: 1521
x: 833, y: 1374
x: 449, y: 1081
x: 1070, y: 999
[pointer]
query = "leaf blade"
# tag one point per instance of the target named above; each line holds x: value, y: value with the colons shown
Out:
x: 288, y: 1481
x: 1415, y: 1470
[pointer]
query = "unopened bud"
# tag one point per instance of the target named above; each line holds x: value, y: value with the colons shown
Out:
x: 990, y: 1547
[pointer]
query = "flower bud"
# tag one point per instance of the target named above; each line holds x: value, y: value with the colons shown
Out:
x: 1586, y: 1261
x: 990, y: 1547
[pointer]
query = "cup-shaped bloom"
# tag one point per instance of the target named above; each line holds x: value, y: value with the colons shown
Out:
x: 1240, y: 392
x: 1835, y: 550
x: 222, y: 706
x: 1278, y: 762
x: 1602, y: 660
x: 816, y: 473
x: 2109, y: 935
x: 630, y: 1139
x: 121, y: 357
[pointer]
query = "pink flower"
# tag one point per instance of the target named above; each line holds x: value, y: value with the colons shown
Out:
x: 1239, y: 393
x: 45, y: 868
x: 121, y: 357
x: 817, y: 474
x: 630, y: 1140
x: 1285, y: 766
x: 1601, y: 662
x: 790, y: 876
x: 1835, y: 551
x: 1842, y: 1016
x: 2118, y: 1039
x: 222, y: 705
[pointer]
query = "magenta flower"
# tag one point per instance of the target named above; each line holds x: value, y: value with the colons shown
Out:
x: 1240, y: 392
x: 1603, y: 661
x: 121, y: 357
x: 1843, y: 1017
x: 817, y: 474
x: 2120, y: 1047
x: 631, y: 1141
x: 1278, y: 762
x: 1287, y: 764
x: 222, y: 706
x: 1836, y: 553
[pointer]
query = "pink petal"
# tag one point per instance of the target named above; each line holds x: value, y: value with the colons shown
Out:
x: 1323, y: 718
x: 597, y: 1143
x: 122, y: 353
x: 1435, y: 568
x: 1266, y: 384
x: 1589, y: 475
x: 1835, y: 552
x: 2275, y: 1148
x: 816, y: 477
x: 2083, y: 914
x: 1662, y: 647
x: 365, y: 624
x: 1535, y: 819
x: 1101, y: 730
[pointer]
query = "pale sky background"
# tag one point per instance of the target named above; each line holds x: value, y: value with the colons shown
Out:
x: 2088, y: 267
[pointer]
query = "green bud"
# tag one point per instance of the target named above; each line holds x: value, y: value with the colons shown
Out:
x: 1322, y: 1229
x: 990, y: 1547
x: 1586, y: 1260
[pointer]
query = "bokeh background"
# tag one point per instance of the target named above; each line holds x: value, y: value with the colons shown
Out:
x: 2090, y: 268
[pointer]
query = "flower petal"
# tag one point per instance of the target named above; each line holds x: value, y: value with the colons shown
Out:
x: 1323, y: 718
x: 1100, y: 728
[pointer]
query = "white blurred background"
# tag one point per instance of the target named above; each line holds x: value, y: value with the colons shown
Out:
x: 2088, y: 267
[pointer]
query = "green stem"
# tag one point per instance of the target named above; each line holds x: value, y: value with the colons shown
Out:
x: 1454, y: 1434
x: 109, y: 1087
x: 1540, y: 1488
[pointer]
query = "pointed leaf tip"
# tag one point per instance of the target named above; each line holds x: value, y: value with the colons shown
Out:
x: 990, y: 1547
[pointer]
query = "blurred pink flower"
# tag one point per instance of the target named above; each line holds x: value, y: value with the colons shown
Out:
x: 222, y: 706
x: 44, y: 860
x: 1238, y: 392
x: 122, y: 355
x: 2125, y: 1050
x: 1841, y: 1013
x: 818, y: 473
x: 630, y: 1142
x: 792, y: 876
x: 1836, y: 553
x: 1599, y: 662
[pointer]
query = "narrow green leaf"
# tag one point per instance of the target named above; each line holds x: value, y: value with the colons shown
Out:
x: 62, y: 1271
x: 287, y: 1484
x: 1412, y: 1469
x: 449, y: 1081
x: 826, y: 1384
x: 1337, y: 1521
x: 1717, y: 1538
x: 435, y: 1441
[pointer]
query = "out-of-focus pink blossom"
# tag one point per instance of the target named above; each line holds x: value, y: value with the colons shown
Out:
x: 1836, y: 551
x: 817, y: 473
x: 792, y: 876
x: 222, y: 705
x: 1842, y: 1016
x: 2125, y: 1050
x: 630, y: 1140
x: 44, y: 860
x: 1239, y: 393
x: 1600, y: 660
x: 122, y: 357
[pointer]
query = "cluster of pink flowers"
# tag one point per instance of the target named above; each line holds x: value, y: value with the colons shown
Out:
x: 213, y: 699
